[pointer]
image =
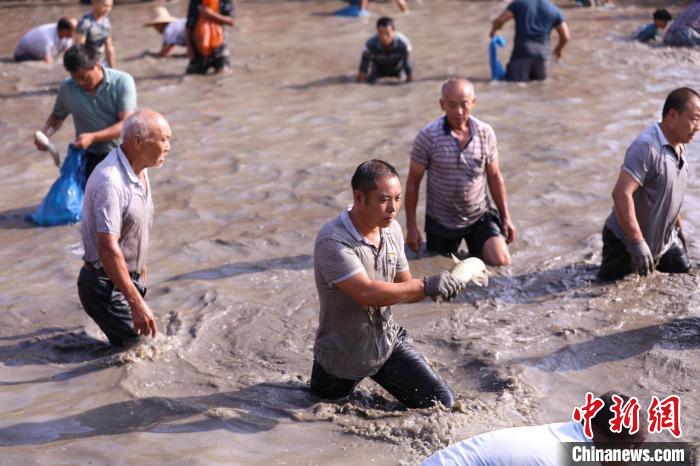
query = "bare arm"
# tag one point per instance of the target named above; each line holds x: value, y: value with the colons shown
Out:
x: 114, y: 264
x: 564, y: 37
x: 402, y: 5
x: 625, y: 186
x: 84, y: 140
x: 215, y: 17
x: 415, y: 176
x: 375, y: 293
x: 79, y: 38
x: 165, y: 50
x: 497, y: 187
x: 500, y: 20
x: 406, y: 277
x: 53, y: 124
x: 110, y: 54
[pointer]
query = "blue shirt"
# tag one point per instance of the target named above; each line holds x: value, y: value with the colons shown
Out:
x: 647, y: 33
x: 534, y: 21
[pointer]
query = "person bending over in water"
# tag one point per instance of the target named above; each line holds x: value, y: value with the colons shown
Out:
x: 173, y: 30
x: 386, y: 54
x: 46, y: 42
x: 361, y: 270
x: 542, y: 445
x: 648, y: 33
x: 644, y: 232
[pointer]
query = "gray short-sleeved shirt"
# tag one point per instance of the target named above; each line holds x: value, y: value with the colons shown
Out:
x: 115, y: 94
x: 352, y: 341
x: 456, y: 192
x: 652, y: 162
x: 115, y: 202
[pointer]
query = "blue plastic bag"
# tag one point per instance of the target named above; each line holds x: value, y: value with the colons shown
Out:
x: 64, y: 202
x: 497, y: 70
x: 353, y: 10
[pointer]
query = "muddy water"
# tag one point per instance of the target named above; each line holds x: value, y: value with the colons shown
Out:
x: 261, y: 158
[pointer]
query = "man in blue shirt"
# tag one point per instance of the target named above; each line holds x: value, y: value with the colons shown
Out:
x: 648, y: 33
x: 534, y: 21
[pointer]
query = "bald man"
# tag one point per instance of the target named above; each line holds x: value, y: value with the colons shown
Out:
x: 460, y: 155
x: 117, y: 217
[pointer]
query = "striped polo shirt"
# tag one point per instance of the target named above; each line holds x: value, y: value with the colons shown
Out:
x: 456, y: 192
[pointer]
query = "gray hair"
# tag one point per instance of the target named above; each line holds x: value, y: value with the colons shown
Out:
x: 140, y: 124
x: 453, y: 81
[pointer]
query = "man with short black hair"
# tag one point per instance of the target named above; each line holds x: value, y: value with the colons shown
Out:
x: 117, y: 216
x: 99, y: 98
x: 361, y: 270
x: 644, y: 232
x: 46, y: 42
x: 386, y: 54
x: 534, y: 21
x: 660, y: 20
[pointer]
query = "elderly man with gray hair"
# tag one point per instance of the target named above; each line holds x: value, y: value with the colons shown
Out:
x: 117, y: 217
x: 460, y: 154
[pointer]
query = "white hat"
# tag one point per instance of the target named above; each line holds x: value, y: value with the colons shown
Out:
x: 160, y: 16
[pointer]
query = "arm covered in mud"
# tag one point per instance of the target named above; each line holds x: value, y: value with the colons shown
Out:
x: 115, y: 266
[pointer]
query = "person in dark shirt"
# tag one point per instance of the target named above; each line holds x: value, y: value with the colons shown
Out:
x: 386, y: 54
x: 534, y: 21
x: 648, y: 33
x: 200, y: 62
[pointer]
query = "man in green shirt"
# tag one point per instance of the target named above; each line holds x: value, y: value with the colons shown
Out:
x: 99, y: 98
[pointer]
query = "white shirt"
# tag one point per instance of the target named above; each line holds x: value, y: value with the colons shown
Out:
x: 42, y: 42
x: 517, y: 446
x: 174, y: 33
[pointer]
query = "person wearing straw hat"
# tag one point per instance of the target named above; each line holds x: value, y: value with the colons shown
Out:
x: 173, y: 29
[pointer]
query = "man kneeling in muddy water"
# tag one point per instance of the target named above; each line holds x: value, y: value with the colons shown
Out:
x: 361, y: 270
x: 117, y: 217
x: 643, y: 232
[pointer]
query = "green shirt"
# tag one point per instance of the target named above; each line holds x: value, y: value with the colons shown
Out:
x: 115, y: 94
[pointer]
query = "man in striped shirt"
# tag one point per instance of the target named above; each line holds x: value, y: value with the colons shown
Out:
x: 460, y: 155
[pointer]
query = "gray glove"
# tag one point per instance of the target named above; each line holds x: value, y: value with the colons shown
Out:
x: 442, y: 285
x: 642, y: 260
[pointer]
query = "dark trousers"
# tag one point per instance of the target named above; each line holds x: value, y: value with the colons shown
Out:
x: 406, y: 375
x: 617, y: 262
x: 218, y: 60
x: 91, y: 161
x: 527, y: 69
x: 107, y: 306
